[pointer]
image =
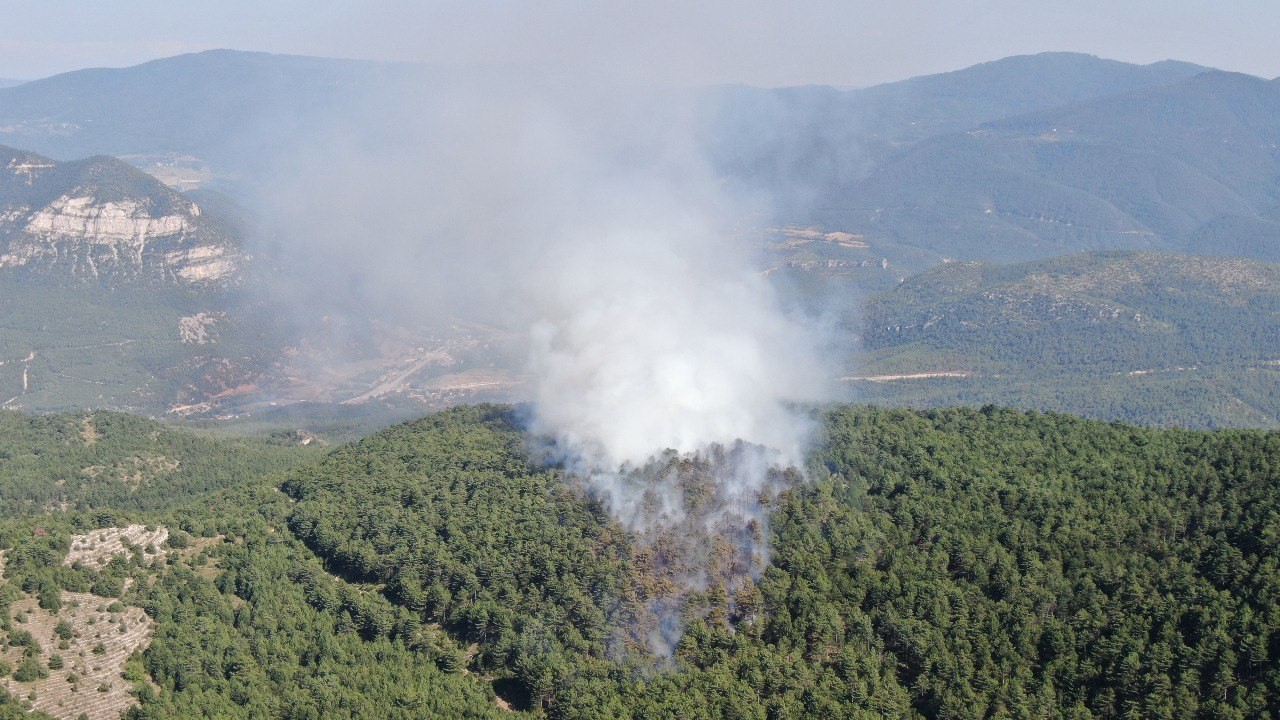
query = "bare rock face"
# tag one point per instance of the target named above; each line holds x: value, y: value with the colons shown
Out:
x: 103, y: 218
x: 198, y: 329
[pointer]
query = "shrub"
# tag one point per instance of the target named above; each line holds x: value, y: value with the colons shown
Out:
x: 29, y: 670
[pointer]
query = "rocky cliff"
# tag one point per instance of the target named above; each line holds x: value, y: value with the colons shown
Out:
x: 103, y: 218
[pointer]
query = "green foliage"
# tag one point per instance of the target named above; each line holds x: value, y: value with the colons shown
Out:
x: 50, y: 597
x: 448, y: 514
x: 940, y: 564
x: 97, y: 460
x: 11, y: 708
x: 1032, y: 563
x: 101, y: 346
x: 1107, y: 312
x: 1141, y: 337
x: 251, y: 645
x: 30, y: 669
x: 25, y: 640
x: 954, y: 563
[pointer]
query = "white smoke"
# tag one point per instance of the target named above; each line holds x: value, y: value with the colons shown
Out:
x: 585, y: 218
x: 661, y: 337
x: 670, y: 379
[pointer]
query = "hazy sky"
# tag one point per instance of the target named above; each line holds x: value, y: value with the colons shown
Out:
x: 854, y: 42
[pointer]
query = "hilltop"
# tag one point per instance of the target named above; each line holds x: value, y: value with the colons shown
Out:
x: 223, y: 106
x: 102, y: 219
x: 1186, y: 167
x: 807, y: 145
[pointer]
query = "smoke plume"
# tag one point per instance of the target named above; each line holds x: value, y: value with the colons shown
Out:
x: 669, y: 378
x: 654, y: 334
x: 582, y: 217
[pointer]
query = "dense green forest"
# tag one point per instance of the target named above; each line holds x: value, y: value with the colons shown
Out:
x: 951, y: 563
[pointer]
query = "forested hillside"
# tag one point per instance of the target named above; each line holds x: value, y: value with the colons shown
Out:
x: 1152, y: 338
x: 953, y: 563
x: 113, y: 461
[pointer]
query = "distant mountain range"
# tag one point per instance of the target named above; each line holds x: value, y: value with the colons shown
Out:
x: 1009, y: 161
x: 1189, y: 167
x: 1014, y: 159
x: 801, y: 143
x: 221, y: 105
x: 1021, y: 158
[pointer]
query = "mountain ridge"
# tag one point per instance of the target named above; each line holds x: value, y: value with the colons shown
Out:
x: 1155, y: 168
x: 818, y: 136
x: 212, y: 104
x: 1005, y: 186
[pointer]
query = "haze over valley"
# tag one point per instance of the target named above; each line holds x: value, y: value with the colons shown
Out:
x: 569, y: 373
x: 301, y: 165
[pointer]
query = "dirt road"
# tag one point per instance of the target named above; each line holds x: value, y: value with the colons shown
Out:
x: 396, y: 381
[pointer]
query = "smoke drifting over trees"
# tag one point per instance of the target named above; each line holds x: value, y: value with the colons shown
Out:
x: 582, y: 219
x: 585, y: 222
